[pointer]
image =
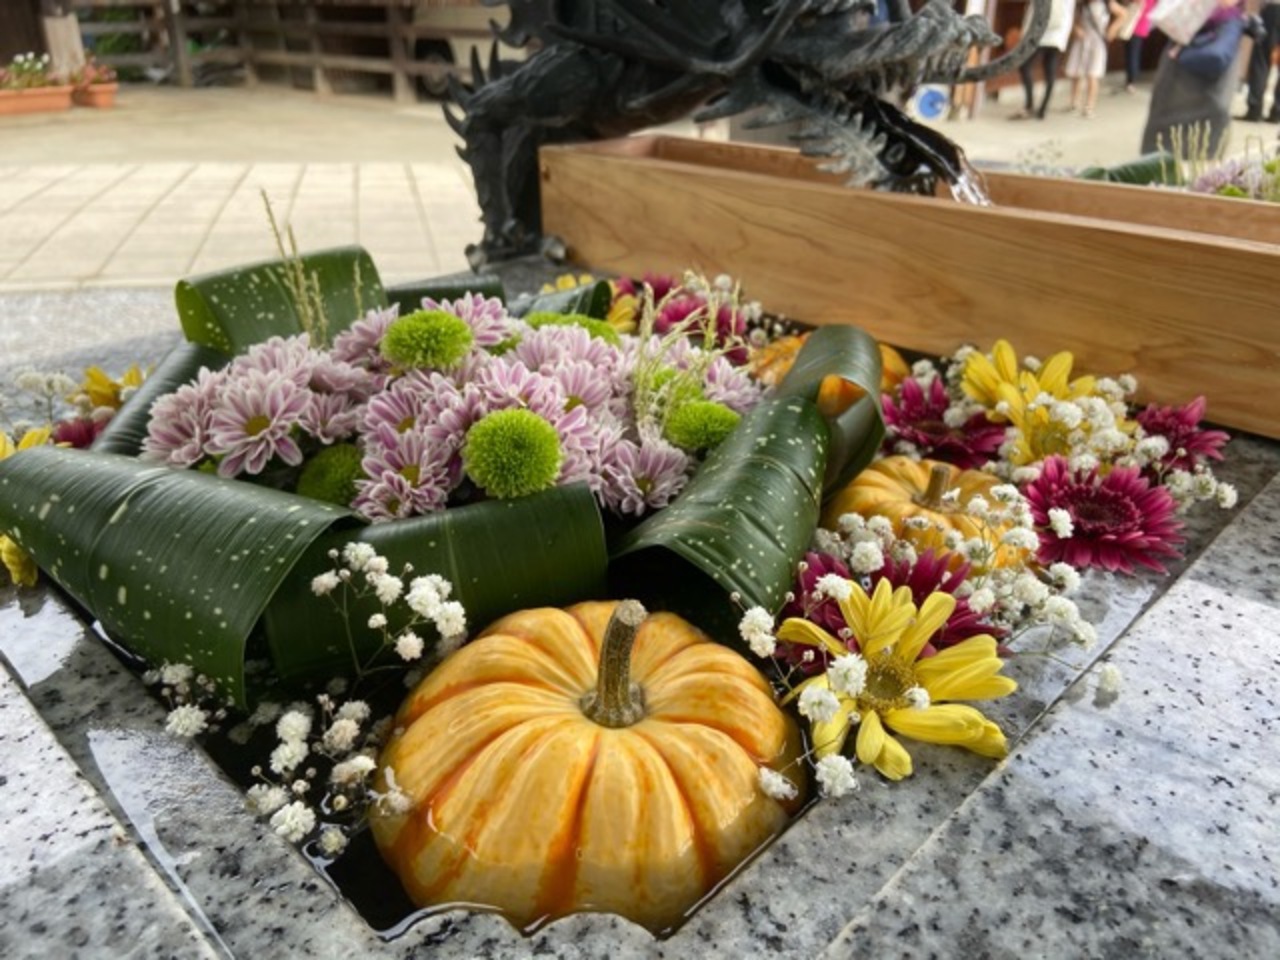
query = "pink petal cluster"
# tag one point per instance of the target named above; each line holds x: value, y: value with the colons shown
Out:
x: 1189, y: 443
x: 915, y: 414
x: 1119, y: 520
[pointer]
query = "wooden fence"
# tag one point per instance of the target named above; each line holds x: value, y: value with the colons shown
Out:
x: 318, y: 39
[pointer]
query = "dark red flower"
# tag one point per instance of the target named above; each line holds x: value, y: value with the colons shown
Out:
x: 819, y: 609
x: 1118, y: 521
x: 930, y: 574
x: 915, y: 415
x: 730, y: 324
x: 1181, y: 427
x: 660, y: 284
x: 77, y: 433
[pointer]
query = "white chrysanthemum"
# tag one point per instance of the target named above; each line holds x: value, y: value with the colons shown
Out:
x: 341, y: 736
x: 186, y: 720
x: 775, y: 785
x: 264, y: 799
x: 351, y: 772
x: 1060, y: 523
x: 866, y: 557
x: 377, y: 621
x: 835, y: 776
x: 834, y: 586
x: 293, y: 822
x: 982, y: 600
x: 409, y: 645
x: 288, y: 755
x: 356, y: 710
x: 1227, y: 496
x: 1109, y: 680
x: 325, y: 584
x: 357, y: 555
x: 818, y: 704
x: 332, y: 841
x: 848, y: 674
x: 294, y: 725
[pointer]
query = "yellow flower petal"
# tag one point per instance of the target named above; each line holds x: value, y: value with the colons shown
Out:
x: 871, y: 737
x: 979, y: 647
x: 877, y: 621
x: 829, y: 738
x: 1006, y: 361
x: 35, y: 437
x: 935, y: 610
x: 1055, y: 372
x: 978, y: 681
x: 795, y: 630
x: 894, y: 761
x: 21, y: 567
x: 992, y: 743
x: 952, y: 723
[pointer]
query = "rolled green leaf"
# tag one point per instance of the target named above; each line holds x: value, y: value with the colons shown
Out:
x: 1158, y: 167
x: 739, y: 527
x: 500, y: 555
x: 233, y: 309
x: 176, y: 564
x: 128, y: 428
x: 592, y: 300
x: 409, y: 295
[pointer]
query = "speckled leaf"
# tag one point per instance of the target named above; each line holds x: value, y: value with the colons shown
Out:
x: 409, y: 295
x: 740, y: 526
x: 128, y: 428
x: 177, y: 565
x: 591, y: 300
x: 856, y: 435
x: 234, y: 309
x: 500, y: 555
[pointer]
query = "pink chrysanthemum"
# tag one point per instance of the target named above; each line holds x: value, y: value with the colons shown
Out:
x: 409, y: 457
x: 179, y: 424
x: 547, y: 347
x: 486, y: 316
x: 399, y: 406
x: 359, y: 343
x: 931, y: 574
x: 353, y: 383
x: 508, y: 383
x: 643, y: 477
x: 582, y: 385
x: 330, y: 417
x: 254, y: 420
x: 290, y: 358
x: 1117, y: 521
x: 1189, y: 444
x: 732, y: 386
x: 916, y: 415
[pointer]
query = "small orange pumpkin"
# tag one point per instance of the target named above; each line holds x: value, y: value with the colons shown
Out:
x: 771, y: 363
x: 899, y: 488
x: 542, y: 786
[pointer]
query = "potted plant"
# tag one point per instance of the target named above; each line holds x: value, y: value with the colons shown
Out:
x: 28, y: 86
x: 94, y: 85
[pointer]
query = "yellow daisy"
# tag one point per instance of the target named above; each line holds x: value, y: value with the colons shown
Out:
x: 897, y: 691
x: 988, y: 380
x: 103, y: 391
x: 20, y: 566
x: 568, y: 281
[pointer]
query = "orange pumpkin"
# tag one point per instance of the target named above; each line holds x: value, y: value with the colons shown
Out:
x: 771, y: 363
x: 900, y: 488
x: 542, y: 786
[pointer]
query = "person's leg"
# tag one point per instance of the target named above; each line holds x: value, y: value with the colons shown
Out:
x: 1258, y: 70
x: 1132, y: 61
x: 1028, y: 82
x: 1271, y: 22
x: 1050, y: 60
x: 1075, y: 94
x: 1091, y: 100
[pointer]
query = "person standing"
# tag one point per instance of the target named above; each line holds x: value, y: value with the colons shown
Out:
x: 1133, y: 45
x: 1057, y: 33
x: 1266, y: 40
x: 1087, y: 58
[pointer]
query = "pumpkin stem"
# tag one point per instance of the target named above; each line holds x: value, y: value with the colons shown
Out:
x: 616, y: 702
x: 938, y: 477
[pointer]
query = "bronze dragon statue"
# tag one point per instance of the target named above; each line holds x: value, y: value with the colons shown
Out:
x: 606, y: 68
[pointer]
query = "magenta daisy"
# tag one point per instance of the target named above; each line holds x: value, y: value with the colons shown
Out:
x: 1189, y: 444
x: 814, y: 605
x: 917, y: 416
x: 486, y: 316
x: 1117, y: 521
x: 660, y: 284
x: 256, y: 414
x: 641, y: 477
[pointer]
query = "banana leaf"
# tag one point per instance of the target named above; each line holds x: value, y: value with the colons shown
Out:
x: 1159, y: 167
x: 176, y: 564
x: 500, y: 555
x: 234, y: 309
x: 856, y: 434
x: 592, y: 300
x: 409, y: 295
x: 739, y: 527
x: 128, y: 428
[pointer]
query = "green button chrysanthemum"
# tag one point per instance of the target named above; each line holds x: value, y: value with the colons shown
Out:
x: 427, y: 339
x: 512, y: 453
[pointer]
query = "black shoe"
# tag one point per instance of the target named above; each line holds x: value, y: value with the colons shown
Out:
x: 1250, y: 117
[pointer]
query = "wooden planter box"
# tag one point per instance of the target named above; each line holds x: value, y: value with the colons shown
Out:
x: 35, y: 100
x: 101, y: 96
x: 1189, y: 311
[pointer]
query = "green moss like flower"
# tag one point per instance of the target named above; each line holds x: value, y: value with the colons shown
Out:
x: 700, y: 424
x: 331, y: 474
x: 675, y: 387
x: 429, y: 339
x: 512, y: 453
x: 1231, y: 190
x: 597, y: 328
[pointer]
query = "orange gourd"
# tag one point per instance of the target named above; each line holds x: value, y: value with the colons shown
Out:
x: 899, y: 488
x: 771, y: 363
x: 543, y: 786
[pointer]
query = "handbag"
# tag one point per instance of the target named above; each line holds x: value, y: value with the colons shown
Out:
x: 1212, y: 51
x: 1180, y: 20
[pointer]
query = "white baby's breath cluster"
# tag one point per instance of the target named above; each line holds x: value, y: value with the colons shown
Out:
x: 194, y: 707
x: 404, y: 606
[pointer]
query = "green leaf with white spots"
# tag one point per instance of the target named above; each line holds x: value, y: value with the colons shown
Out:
x: 176, y: 564
x: 128, y: 428
x: 234, y: 309
x: 856, y: 435
x: 590, y: 300
x: 410, y: 295
x: 547, y: 549
x: 740, y: 526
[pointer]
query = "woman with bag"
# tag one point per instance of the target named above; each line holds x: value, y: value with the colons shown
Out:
x: 1191, y: 101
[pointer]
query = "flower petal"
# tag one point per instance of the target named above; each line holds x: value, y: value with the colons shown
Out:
x: 934, y: 612
x: 877, y: 622
x: 894, y: 761
x: 967, y: 651
x: 829, y: 737
x: 871, y: 737
x: 796, y: 630
x: 1054, y: 372
x: 952, y: 723
x: 974, y: 681
x: 992, y: 743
